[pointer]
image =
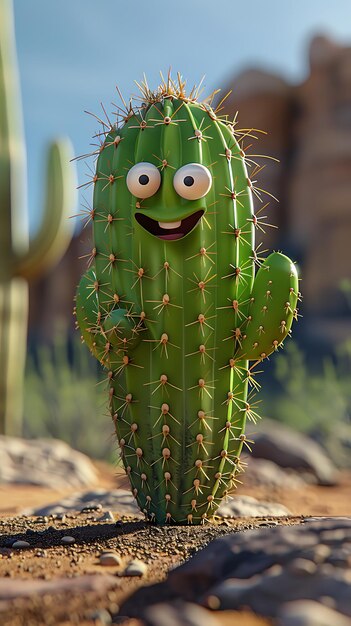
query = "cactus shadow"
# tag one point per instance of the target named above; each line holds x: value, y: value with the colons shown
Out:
x: 52, y: 537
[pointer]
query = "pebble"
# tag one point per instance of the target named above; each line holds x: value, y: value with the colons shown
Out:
x: 67, y: 539
x: 135, y: 568
x: 105, y: 517
x: 41, y: 553
x: 330, y: 537
x: 327, y: 601
x: 41, y: 520
x: 302, y: 567
x: 101, y: 616
x: 20, y: 544
x: 321, y: 553
x: 91, y: 508
x: 109, y: 558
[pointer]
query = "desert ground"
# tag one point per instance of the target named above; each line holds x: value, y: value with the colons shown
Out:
x: 86, y: 601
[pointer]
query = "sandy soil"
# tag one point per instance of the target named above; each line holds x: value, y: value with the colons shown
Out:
x: 48, y: 559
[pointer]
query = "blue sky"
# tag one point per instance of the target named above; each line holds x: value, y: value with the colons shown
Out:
x: 72, y: 53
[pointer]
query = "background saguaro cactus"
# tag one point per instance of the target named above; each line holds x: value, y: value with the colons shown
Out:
x: 21, y: 259
x: 170, y: 304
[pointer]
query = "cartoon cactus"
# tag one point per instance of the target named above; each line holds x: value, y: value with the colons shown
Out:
x: 170, y: 304
x: 19, y: 259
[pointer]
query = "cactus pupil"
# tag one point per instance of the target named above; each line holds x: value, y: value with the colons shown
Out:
x: 188, y: 181
x: 144, y: 179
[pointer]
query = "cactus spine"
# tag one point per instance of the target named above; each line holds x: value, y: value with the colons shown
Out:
x: 170, y: 304
x: 19, y: 258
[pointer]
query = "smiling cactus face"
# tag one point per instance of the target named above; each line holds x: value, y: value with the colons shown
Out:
x: 171, y: 306
x: 191, y: 182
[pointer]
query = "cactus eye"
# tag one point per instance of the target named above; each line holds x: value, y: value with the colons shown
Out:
x: 143, y: 180
x: 192, y: 181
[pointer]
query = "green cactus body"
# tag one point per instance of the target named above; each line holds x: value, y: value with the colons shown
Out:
x: 171, y: 306
x: 21, y: 260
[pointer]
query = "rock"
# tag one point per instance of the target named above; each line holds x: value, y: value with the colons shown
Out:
x: 109, y: 558
x: 338, y: 442
x: 247, y: 506
x: 310, y: 613
x: 67, y: 540
x: 178, y: 614
x: 288, y: 448
x: 264, y: 472
x: 264, y: 568
x: 20, y: 545
x: 10, y: 589
x: 119, y: 500
x: 135, y: 568
x: 313, y: 120
x: 45, y: 462
x: 264, y: 593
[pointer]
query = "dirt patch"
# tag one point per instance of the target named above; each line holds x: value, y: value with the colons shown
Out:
x: 48, y: 559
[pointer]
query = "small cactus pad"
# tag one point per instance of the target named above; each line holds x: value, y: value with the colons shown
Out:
x: 170, y: 304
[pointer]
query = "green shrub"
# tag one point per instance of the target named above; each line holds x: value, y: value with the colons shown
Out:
x: 316, y: 402
x: 64, y: 400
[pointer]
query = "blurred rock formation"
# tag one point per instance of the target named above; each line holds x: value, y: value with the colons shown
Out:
x: 309, y: 130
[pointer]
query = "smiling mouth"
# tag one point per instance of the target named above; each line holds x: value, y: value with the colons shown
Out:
x: 169, y: 230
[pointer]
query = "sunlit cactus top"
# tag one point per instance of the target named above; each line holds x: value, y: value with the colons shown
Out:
x: 170, y: 303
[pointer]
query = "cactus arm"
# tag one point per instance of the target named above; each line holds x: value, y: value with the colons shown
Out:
x: 118, y: 326
x: 56, y: 229
x: 272, y: 308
